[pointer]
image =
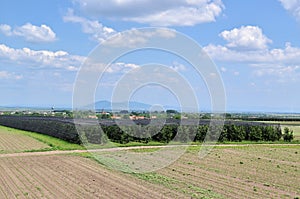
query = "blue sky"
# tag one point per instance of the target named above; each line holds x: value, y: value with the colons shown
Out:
x: 254, y: 44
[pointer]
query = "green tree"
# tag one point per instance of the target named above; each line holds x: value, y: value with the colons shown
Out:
x: 288, y: 134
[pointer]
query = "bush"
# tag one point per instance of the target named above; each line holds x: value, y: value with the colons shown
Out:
x: 288, y: 135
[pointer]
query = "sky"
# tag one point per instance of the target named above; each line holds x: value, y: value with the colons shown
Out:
x: 254, y: 44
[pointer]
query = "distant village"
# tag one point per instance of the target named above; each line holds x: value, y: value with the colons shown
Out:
x: 103, y: 114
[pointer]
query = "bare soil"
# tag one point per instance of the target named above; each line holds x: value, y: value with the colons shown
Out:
x: 229, y: 171
x: 11, y: 142
x: 68, y: 176
x: 239, y: 172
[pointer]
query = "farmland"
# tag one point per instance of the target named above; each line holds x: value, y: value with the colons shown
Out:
x: 234, y: 172
x: 229, y: 171
x: 43, y: 175
x: 12, y: 141
x: 70, y: 177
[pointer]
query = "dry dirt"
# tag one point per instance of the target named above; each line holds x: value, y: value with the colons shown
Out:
x: 69, y: 176
x: 239, y: 172
x: 229, y: 171
x: 11, y: 142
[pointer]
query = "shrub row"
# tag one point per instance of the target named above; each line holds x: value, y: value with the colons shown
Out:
x: 88, y: 132
x: 54, y: 127
x: 198, y: 133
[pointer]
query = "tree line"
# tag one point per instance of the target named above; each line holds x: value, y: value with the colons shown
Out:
x: 197, y: 133
x: 86, y: 132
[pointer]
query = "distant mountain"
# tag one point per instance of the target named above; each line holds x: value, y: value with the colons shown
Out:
x: 131, y: 106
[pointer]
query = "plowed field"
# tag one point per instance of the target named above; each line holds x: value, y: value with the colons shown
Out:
x: 229, y: 171
x: 11, y: 141
x: 66, y: 176
x: 234, y: 172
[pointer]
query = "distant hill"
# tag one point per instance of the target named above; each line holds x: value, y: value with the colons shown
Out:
x: 132, y: 106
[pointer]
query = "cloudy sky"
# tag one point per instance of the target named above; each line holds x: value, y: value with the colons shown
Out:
x: 254, y: 44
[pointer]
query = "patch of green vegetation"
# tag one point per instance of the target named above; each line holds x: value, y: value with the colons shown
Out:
x: 129, y: 144
x: 54, y: 143
x: 174, y: 184
x: 290, y: 145
x: 156, y: 179
x: 38, y: 188
x: 294, y: 146
x: 38, y: 150
x: 198, y: 192
x: 255, y: 189
x: 259, y: 142
x: 144, y: 150
x: 84, y: 154
x: 111, y: 162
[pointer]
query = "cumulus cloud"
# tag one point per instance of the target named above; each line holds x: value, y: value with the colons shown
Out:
x: 121, y: 67
x: 136, y: 37
x: 98, y: 31
x: 288, y: 55
x: 5, y: 29
x: 283, y: 64
x: 245, y: 37
x: 156, y: 12
x: 293, y: 6
x: 30, y: 32
x: 278, y: 62
x: 281, y: 72
x: 41, y: 58
x: 178, y: 67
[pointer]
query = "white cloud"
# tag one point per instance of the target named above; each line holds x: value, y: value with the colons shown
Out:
x: 41, y: 58
x: 121, y: 67
x: 136, y: 37
x: 245, y: 37
x: 282, y: 63
x: 5, y: 29
x: 8, y: 75
x: 156, y: 12
x: 236, y: 73
x: 223, y: 69
x: 281, y: 72
x: 30, y: 32
x: 288, y: 55
x: 293, y: 6
x: 178, y: 67
x: 97, y: 31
